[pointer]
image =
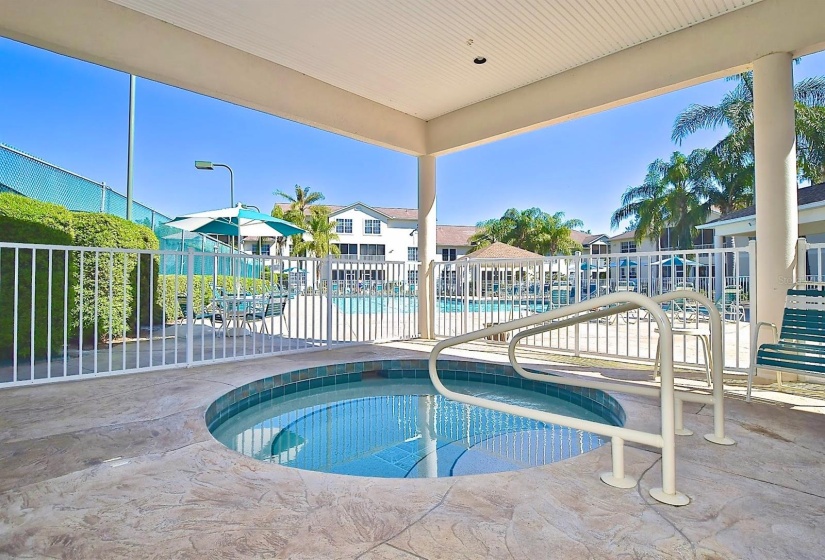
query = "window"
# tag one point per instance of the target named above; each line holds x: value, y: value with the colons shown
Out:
x: 343, y: 225
x: 412, y: 254
x: 372, y: 252
x: 372, y: 227
x: 348, y: 250
x: 628, y: 246
x: 448, y: 254
x: 261, y: 248
x: 412, y: 277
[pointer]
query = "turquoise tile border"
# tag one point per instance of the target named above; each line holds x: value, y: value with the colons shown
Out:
x: 288, y: 383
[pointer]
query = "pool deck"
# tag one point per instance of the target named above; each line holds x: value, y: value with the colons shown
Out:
x: 124, y: 467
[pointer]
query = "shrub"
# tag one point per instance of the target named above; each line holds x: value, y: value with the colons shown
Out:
x: 24, y: 220
x: 116, y: 275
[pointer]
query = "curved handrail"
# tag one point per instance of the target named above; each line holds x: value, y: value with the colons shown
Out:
x: 666, y: 440
x: 716, y: 398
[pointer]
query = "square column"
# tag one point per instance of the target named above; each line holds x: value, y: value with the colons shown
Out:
x: 426, y: 244
x: 718, y: 268
x: 777, y: 217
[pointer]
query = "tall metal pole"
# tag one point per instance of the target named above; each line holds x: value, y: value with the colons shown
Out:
x: 231, y: 187
x: 129, y: 158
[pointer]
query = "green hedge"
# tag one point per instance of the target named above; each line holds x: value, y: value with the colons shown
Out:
x: 23, y: 220
x: 116, y: 274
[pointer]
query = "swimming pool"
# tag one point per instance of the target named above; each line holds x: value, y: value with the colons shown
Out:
x: 387, y: 420
x: 409, y: 304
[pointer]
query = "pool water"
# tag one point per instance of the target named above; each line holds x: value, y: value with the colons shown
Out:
x: 354, y: 305
x: 401, y: 428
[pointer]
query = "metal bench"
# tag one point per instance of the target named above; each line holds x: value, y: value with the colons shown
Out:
x: 800, y: 346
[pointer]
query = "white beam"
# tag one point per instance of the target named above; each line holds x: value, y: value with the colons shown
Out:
x: 110, y: 35
x: 709, y: 50
x: 777, y: 222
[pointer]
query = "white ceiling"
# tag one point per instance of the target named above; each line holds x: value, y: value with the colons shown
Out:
x: 417, y: 56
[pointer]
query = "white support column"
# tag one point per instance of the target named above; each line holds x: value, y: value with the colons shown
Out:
x: 718, y: 267
x: 426, y: 244
x: 777, y: 219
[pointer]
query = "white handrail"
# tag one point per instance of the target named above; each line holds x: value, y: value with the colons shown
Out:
x: 716, y: 398
x: 666, y: 440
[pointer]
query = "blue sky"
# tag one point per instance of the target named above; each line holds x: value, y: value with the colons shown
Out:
x: 74, y: 114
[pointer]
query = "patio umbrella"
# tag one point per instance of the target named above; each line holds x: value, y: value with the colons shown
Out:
x: 237, y: 221
x: 623, y: 263
x: 598, y: 267
x: 677, y: 261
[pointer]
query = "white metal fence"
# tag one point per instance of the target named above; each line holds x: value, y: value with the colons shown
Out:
x: 71, y: 311
x: 815, y: 262
x: 472, y: 294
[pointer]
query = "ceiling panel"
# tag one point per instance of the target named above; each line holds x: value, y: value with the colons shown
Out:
x: 417, y: 56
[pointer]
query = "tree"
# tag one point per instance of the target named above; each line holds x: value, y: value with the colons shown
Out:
x: 301, y: 203
x: 280, y: 241
x: 531, y: 229
x: 673, y: 195
x: 490, y: 231
x: 300, y: 207
x: 554, y: 233
x: 322, y: 233
x: 728, y: 180
x: 735, y: 112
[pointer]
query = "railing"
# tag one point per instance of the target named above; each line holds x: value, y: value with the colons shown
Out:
x: 472, y: 294
x: 671, y: 400
x: 72, y: 312
x: 814, y: 265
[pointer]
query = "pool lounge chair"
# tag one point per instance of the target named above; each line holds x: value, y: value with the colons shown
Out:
x: 729, y: 304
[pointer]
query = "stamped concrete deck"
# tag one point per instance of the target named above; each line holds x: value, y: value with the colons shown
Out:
x: 124, y: 467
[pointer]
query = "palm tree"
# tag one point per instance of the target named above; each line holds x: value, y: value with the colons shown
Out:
x: 735, y: 112
x: 490, y: 231
x: 728, y: 180
x: 302, y: 201
x: 322, y: 234
x: 554, y: 235
x: 280, y: 241
x: 300, y: 207
x: 531, y: 229
x: 670, y: 196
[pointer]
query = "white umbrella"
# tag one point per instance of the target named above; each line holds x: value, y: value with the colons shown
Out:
x: 237, y: 221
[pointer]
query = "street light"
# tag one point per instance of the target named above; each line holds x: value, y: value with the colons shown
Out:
x: 209, y: 166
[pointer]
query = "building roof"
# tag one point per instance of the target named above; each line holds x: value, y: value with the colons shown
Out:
x: 804, y: 196
x: 391, y: 213
x: 584, y: 238
x: 454, y: 236
x: 624, y: 236
x: 500, y: 250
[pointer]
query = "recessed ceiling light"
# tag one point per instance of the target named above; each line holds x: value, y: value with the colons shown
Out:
x: 479, y: 60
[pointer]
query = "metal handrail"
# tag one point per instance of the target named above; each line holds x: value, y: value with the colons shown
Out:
x: 716, y: 398
x: 580, y: 312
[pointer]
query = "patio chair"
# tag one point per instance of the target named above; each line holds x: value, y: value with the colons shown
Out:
x: 273, y: 306
x: 559, y: 296
x: 799, y: 347
x: 729, y: 304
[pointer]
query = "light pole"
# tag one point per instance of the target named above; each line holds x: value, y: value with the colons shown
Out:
x: 209, y: 166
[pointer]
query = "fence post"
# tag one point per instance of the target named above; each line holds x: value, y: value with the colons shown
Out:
x: 801, y: 260
x: 466, y: 325
x: 577, y: 285
x: 328, y: 268
x: 190, y: 307
x: 752, y: 264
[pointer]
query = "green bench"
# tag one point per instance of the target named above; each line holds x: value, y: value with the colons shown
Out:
x: 800, y: 346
